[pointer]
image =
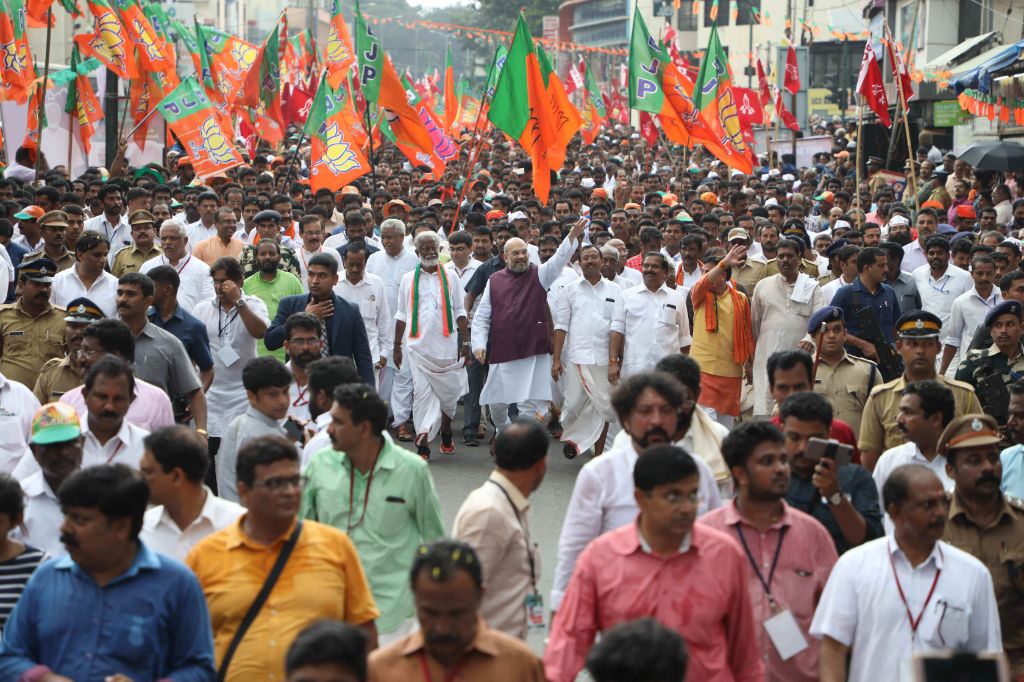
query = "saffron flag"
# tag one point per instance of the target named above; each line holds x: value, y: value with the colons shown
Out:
x: 594, y: 111
x: 109, y: 42
x: 714, y: 99
x: 195, y: 121
x: 870, y: 86
x: 339, y: 55
x: 444, y: 148
x: 451, y: 101
x: 563, y: 117
x: 899, y: 67
x: 261, y: 88
x: 792, y: 75
x: 153, y: 53
x: 31, y: 140
x: 82, y: 103
x: 520, y: 107
x: 335, y: 157
x: 16, y: 68
x: 223, y: 61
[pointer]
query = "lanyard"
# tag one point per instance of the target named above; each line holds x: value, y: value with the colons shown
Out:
x: 529, y: 552
x: 301, y: 399
x: 167, y: 262
x: 305, y: 263
x: 120, y: 444
x: 351, y: 492
x: 425, y: 667
x: 223, y: 326
x: 767, y: 584
x: 914, y: 622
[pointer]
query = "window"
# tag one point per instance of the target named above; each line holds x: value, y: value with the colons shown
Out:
x: 723, y: 13
x: 686, y: 19
x: 746, y: 12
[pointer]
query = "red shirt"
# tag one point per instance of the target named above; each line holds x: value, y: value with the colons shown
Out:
x: 636, y: 262
x: 700, y: 592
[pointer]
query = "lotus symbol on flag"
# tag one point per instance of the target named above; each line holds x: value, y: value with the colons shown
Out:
x: 338, y: 156
x: 336, y: 50
x: 14, y: 57
x: 214, y: 143
x: 244, y: 55
x: 152, y: 49
x: 110, y: 43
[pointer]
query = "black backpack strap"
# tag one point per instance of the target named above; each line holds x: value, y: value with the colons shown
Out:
x: 260, y: 600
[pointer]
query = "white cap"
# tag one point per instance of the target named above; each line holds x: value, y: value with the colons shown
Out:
x: 764, y: 177
x: 898, y: 220
x: 841, y: 223
x: 735, y: 172
x: 771, y: 201
x: 517, y: 215
x: 713, y: 175
x: 587, y: 183
x: 788, y: 177
x: 797, y: 185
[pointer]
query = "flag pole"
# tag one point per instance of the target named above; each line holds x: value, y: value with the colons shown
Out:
x: 860, y: 123
x: 475, y: 151
x: 291, y: 163
x: 141, y: 123
x: 42, y: 96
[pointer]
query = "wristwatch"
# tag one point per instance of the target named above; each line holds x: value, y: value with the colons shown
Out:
x: 836, y: 499
x: 239, y: 304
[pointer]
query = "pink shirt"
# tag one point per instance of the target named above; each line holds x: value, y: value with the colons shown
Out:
x: 150, y: 410
x: 805, y: 562
x: 700, y: 592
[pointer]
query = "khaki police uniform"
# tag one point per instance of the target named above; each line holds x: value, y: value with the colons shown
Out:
x: 131, y: 258
x: 749, y: 274
x: 27, y: 342
x: 57, y: 377
x: 807, y: 267
x: 64, y: 262
x: 847, y: 386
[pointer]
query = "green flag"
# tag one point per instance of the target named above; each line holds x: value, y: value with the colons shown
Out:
x: 594, y: 94
x: 158, y: 18
x: 497, y: 64
x: 370, y: 58
x: 185, y: 35
x: 510, y: 104
x: 647, y: 59
x: 72, y: 102
x: 205, y: 65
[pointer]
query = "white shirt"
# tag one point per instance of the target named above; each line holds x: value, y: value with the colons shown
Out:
x: 369, y: 295
x: 937, y: 295
x: 689, y: 278
x: 656, y: 325
x: 17, y: 407
x: 908, y: 453
x: 967, y: 314
x: 22, y: 241
x: 303, y: 257
x: 197, y: 232
x: 391, y: 270
x: 861, y: 608
x: 336, y: 241
x: 232, y: 348
x: 589, y: 314
x: 67, y: 286
x: 43, y: 516
x: 914, y: 256
x: 124, y: 448
x: 602, y: 500
x: 321, y: 440
x: 196, y: 283
x: 828, y: 291
x: 298, y: 397
x: 464, y: 274
x: 631, y: 275
x: 162, y: 535
x: 118, y: 235
x: 430, y: 340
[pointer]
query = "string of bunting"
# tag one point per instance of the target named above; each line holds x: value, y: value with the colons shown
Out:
x: 991, y: 107
x: 493, y: 36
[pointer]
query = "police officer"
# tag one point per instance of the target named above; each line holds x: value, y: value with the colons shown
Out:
x: 31, y: 328
x: 60, y: 375
x: 143, y: 247
x: 267, y: 224
x: 986, y: 523
x: 52, y: 227
x: 991, y: 370
x: 917, y: 341
x: 844, y: 379
x: 752, y: 270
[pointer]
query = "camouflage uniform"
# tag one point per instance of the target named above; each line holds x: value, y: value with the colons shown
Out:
x: 289, y: 263
x: 987, y: 362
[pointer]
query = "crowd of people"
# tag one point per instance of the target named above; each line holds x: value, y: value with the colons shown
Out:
x: 796, y: 402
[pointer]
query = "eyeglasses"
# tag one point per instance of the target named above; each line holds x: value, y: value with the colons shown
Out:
x: 678, y: 500
x: 276, y: 485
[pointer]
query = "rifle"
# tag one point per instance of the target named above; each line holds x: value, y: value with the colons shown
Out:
x: 992, y: 392
x: 890, y: 364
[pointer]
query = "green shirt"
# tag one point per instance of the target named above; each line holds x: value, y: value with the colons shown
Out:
x: 271, y: 293
x: 401, y: 513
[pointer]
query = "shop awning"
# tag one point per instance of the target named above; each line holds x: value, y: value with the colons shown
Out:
x: 977, y: 73
x: 950, y: 56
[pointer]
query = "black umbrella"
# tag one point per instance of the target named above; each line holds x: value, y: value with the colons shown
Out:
x: 998, y: 155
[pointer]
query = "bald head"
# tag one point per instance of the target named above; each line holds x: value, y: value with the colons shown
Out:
x: 517, y: 256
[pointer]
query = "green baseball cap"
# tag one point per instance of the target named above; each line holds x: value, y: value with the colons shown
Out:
x: 55, y: 423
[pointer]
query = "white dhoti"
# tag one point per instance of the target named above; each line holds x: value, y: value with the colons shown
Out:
x: 588, y: 405
x: 526, y: 382
x: 401, y: 393
x: 437, y: 386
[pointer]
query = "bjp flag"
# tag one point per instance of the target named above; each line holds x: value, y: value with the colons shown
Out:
x: 195, y: 121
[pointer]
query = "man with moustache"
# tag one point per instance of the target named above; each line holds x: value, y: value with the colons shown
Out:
x: 985, y: 523
x: 511, y: 331
x: 31, y: 328
x: 57, y: 376
x: 779, y: 582
x: 429, y: 302
x: 271, y: 284
x: 647, y: 405
x: 56, y: 444
x: 302, y: 343
x: 366, y: 290
x: 150, y: 608
x: 909, y: 592
x: 1002, y: 362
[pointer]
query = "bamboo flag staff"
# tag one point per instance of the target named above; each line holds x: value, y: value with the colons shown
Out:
x: 860, y: 124
x: 42, y: 96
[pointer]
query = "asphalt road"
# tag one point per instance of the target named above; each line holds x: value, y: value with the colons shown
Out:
x: 457, y: 474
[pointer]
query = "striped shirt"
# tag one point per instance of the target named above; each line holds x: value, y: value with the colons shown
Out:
x: 14, y: 573
x: 805, y: 559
